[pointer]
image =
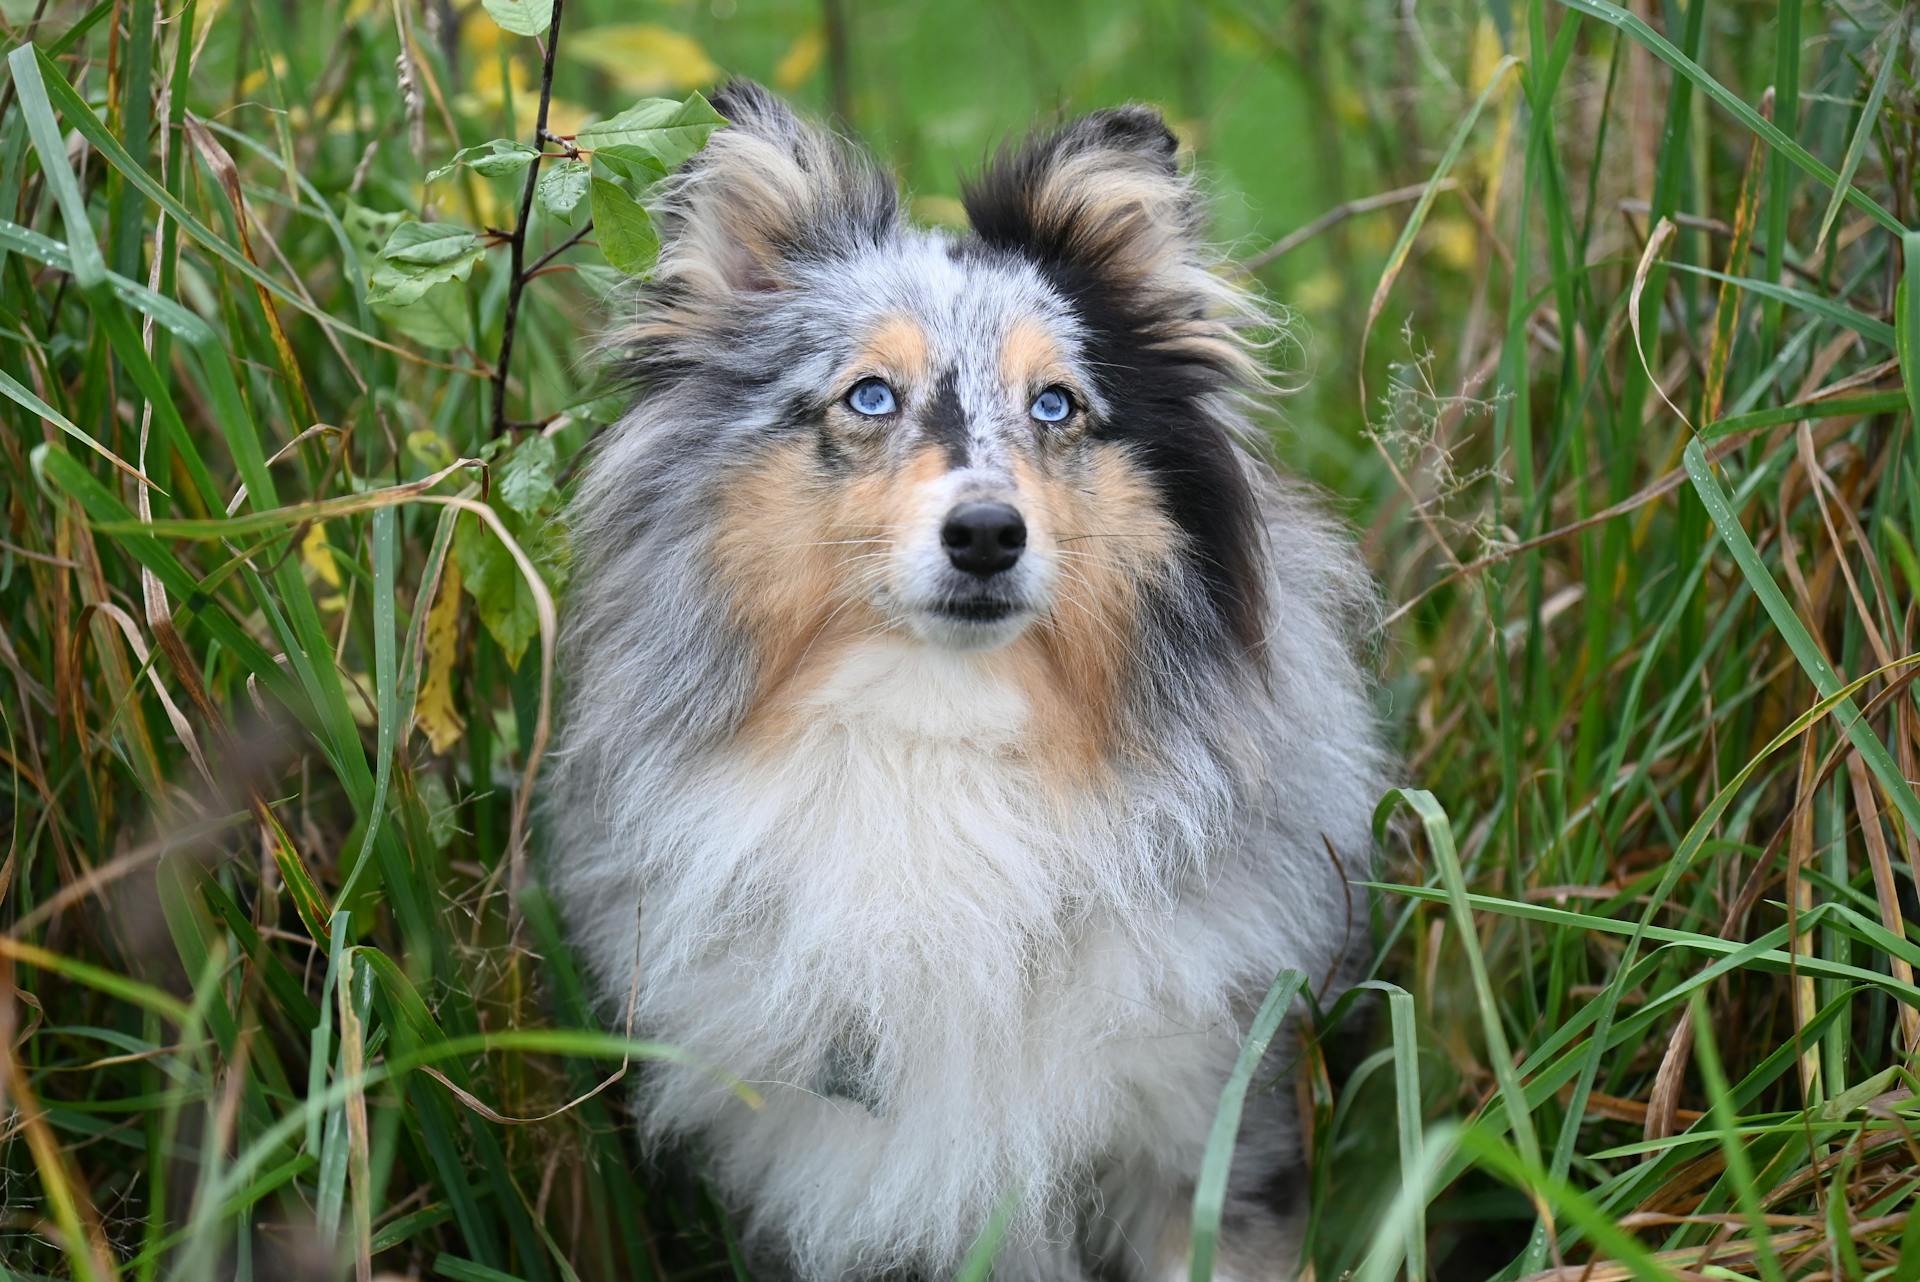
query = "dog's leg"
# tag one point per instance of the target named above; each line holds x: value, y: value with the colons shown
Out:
x: 1040, y: 1262
x: 1149, y: 1238
x: 1141, y: 1230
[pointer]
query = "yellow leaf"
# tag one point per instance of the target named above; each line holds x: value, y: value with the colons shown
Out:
x: 256, y: 80
x: 1318, y: 293
x: 429, y: 448
x: 1375, y: 235
x: 1349, y: 106
x: 481, y: 39
x: 486, y: 92
x: 1454, y: 241
x: 318, y: 555
x: 800, y: 60
x: 1485, y: 56
x: 643, y: 57
x: 433, y: 709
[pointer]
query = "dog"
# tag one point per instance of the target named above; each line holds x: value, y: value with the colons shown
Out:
x: 963, y: 725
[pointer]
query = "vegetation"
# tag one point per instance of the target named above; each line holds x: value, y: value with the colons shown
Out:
x: 1609, y: 329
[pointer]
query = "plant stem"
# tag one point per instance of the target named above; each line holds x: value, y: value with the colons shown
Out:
x: 518, y: 243
x: 561, y: 248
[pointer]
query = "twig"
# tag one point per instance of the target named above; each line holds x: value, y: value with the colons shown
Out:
x: 833, y: 19
x: 518, y: 243
x: 559, y: 249
x: 1339, y: 214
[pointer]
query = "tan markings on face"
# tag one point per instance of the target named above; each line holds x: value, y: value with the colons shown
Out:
x: 1029, y: 357
x: 798, y: 556
x: 896, y: 347
x: 1108, y: 535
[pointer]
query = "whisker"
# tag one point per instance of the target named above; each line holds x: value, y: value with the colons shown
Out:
x: 1107, y: 534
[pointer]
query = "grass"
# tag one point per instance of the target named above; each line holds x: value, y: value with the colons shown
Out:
x: 1609, y: 330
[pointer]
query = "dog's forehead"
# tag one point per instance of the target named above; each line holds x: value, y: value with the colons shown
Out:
x: 962, y: 298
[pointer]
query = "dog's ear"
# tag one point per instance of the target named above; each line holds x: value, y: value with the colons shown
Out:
x: 1102, y: 195
x: 1103, y: 209
x: 766, y: 191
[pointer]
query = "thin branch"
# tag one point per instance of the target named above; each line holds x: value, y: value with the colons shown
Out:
x: 518, y: 242
x: 833, y: 19
x: 559, y: 249
x: 1339, y: 214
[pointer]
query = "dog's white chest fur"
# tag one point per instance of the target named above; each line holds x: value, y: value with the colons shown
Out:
x: 933, y: 965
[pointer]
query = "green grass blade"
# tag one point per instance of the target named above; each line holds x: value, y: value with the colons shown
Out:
x: 89, y: 267
x: 1863, y: 130
x: 1907, y: 321
x: 1739, y: 1169
x: 1210, y: 1189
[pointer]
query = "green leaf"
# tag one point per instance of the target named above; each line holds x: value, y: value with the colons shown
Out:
x: 399, y: 1230
x: 397, y: 286
x: 605, y: 408
x: 83, y: 119
x: 526, y: 480
x: 599, y: 278
x: 623, y: 228
x: 667, y: 130
x: 500, y: 595
x: 494, y: 157
x: 977, y: 1265
x: 460, y: 1269
x: 424, y: 302
x: 177, y: 320
x: 521, y: 17
x: 561, y: 189
x: 368, y: 230
x: 436, y: 318
x: 636, y: 165
x: 429, y: 244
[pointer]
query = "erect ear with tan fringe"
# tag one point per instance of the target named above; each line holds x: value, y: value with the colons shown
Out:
x: 1104, y: 192
x: 765, y: 191
x: 1102, y: 207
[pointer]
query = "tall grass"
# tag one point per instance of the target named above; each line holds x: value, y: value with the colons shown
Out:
x: 1612, y: 331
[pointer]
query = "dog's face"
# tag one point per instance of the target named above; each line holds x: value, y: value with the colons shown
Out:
x: 1010, y: 441
x: 947, y: 478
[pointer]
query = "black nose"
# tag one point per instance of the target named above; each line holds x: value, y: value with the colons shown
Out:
x: 983, y: 538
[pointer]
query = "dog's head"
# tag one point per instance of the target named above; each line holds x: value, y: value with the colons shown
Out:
x: 1018, y: 438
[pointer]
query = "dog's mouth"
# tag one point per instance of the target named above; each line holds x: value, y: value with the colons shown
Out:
x: 977, y: 609
x: 972, y: 620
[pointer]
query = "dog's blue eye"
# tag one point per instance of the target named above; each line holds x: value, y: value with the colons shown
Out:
x: 1052, y: 405
x: 872, y: 397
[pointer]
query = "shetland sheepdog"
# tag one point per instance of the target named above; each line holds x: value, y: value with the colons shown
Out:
x: 963, y: 724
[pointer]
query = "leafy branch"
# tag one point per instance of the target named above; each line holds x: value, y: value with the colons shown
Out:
x: 418, y: 272
x: 419, y: 284
x: 517, y: 243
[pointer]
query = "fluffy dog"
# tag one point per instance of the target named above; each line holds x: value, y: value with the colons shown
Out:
x: 963, y: 724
